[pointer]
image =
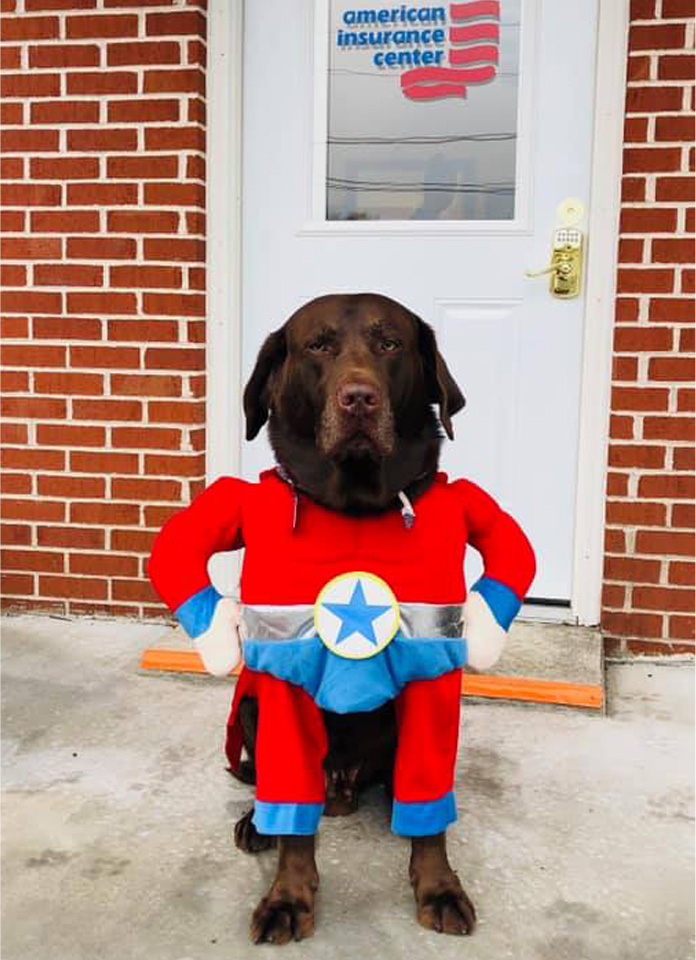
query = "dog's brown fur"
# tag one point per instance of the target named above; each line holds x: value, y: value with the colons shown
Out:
x: 347, y: 385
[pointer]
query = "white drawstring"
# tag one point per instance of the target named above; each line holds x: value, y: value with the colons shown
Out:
x: 407, y: 511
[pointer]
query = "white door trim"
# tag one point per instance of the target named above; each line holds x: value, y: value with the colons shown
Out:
x: 224, y: 434
x: 224, y: 407
x: 603, y: 232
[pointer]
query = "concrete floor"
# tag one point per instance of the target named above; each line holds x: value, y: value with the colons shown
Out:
x: 575, y: 837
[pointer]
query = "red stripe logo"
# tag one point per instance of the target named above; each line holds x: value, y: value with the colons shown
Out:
x: 469, y: 11
x: 472, y: 61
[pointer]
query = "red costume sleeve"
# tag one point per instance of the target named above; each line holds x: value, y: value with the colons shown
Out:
x: 178, y: 565
x: 507, y: 554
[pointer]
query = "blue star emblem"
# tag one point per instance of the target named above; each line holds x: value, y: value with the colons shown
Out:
x: 357, y: 616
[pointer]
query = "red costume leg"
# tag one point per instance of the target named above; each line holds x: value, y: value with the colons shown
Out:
x: 291, y: 745
x: 427, y: 713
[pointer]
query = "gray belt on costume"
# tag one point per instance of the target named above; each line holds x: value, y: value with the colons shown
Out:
x: 417, y: 620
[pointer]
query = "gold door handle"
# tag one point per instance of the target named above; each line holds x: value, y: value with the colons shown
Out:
x: 566, y: 253
x: 566, y: 263
x: 540, y: 273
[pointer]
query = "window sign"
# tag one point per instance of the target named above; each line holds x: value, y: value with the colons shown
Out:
x: 422, y: 110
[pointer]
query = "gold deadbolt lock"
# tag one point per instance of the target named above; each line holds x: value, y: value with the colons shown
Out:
x: 566, y: 253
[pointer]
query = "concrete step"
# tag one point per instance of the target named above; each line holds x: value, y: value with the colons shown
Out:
x: 542, y: 663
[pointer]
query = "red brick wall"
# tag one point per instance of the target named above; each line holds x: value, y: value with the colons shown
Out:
x: 648, y: 597
x: 104, y: 301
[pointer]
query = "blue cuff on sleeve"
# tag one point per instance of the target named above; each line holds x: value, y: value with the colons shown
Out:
x: 424, y: 819
x: 195, y: 614
x: 296, y: 819
x: 502, y: 600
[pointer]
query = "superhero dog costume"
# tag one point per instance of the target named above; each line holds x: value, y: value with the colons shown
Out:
x: 343, y: 613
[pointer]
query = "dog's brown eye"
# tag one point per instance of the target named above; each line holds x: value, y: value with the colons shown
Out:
x: 319, y: 346
x: 388, y: 346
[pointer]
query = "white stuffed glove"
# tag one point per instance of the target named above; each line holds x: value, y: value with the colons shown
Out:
x: 488, y: 613
x: 219, y: 646
x: 212, y: 621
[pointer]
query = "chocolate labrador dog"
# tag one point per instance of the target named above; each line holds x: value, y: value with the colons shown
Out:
x: 347, y: 386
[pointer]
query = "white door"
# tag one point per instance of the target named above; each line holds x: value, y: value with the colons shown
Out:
x: 422, y: 152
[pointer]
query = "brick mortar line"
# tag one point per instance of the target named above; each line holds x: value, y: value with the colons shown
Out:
x: 108, y: 154
x: 104, y: 208
x: 656, y: 354
x: 683, y: 588
x: 182, y: 99
x: 107, y: 527
x: 654, y: 145
x: 105, y: 396
x: 109, y: 126
x: 98, y: 501
x: 634, y: 554
x: 107, y: 447
x: 102, y: 41
x: 130, y: 208
x: 94, y: 368
x: 100, y: 341
x: 138, y: 261
x: 647, y: 382
x: 26, y: 44
x: 642, y: 471
x: 648, y: 84
x: 41, y: 235
x: 79, y: 551
x: 661, y: 51
x: 677, y: 267
x: 649, y: 141
x: 631, y: 607
x: 102, y: 287
x: 78, y: 422
x: 65, y: 259
x: 104, y: 448
x: 658, y: 21
x: 106, y: 232
x: 11, y: 471
x: 90, y: 424
x: 105, y: 342
x: 658, y: 205
x: 183, y: 96
x: 655, y: 558
x: 643, y: 501
x: 138, y: 68
x: 119, y: 10
x: 52, y: 70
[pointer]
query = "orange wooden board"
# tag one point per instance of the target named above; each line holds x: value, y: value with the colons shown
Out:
x: 473, y: 685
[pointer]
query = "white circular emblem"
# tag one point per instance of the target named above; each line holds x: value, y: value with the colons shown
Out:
x: 356, y: 615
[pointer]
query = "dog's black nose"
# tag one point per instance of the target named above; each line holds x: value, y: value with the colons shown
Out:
x: 358, y: 397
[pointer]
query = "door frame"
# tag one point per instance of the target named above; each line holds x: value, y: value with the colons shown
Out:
x: 224, y: 276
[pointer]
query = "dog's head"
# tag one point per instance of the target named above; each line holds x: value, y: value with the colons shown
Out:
x: 349, y: 382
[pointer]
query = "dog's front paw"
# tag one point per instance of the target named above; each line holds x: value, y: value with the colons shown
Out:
x: 282, y: 917
x: 248, y: 839
x: 341, y: 793
x: 444, y: 906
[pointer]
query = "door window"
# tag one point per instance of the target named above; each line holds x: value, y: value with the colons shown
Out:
x: 422, y: 110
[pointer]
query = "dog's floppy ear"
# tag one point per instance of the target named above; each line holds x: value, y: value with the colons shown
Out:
x: 441, y: 385
x: 256, y: 393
